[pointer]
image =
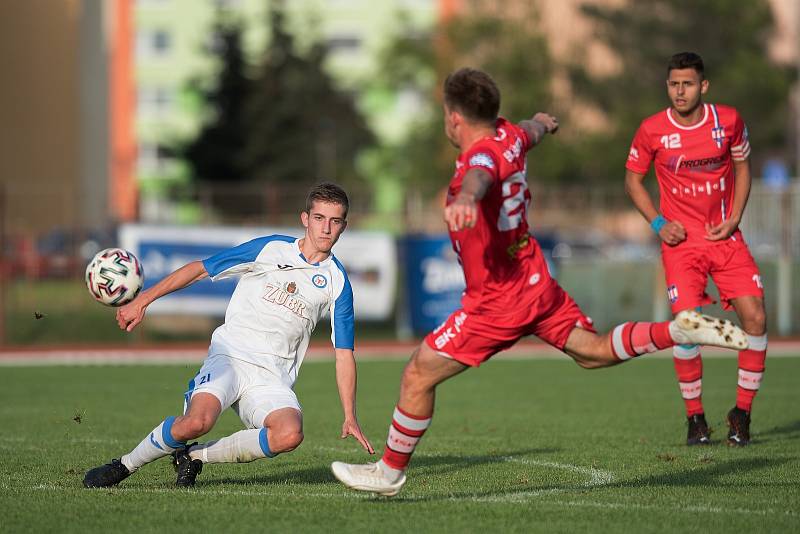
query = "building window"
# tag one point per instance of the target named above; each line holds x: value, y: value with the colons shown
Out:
x: 344, y: 43
x: 153, y: 158
x: 153, y: 43
x: 154, y: 101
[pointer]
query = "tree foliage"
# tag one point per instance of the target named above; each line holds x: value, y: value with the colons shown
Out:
x: 213, y: 154
x: 513, y: 53
x: 732, y: 39
x: 287, y: 125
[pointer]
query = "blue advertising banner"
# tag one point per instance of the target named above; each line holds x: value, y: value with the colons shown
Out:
x: 434, y: 280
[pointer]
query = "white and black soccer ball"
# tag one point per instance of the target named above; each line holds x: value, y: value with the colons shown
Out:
x: 114, y: 276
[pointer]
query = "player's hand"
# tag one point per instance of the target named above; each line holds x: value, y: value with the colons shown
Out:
x: 351, y: 428
x: 672, y: 233
x: 462, y: 213
x: 549, y: 122
x: 131, y: 314
x: 721, y: 231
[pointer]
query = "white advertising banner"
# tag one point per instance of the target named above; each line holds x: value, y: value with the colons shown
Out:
x: 370, y: 259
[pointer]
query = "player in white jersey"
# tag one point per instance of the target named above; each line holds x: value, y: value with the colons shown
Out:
x: 286, y: 286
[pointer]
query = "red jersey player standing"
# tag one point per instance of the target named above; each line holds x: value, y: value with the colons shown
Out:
x: 509, y: 293
x: 700, y: 152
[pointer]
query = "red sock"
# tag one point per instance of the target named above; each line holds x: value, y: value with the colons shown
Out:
x: 629, y: 340
x: 404, y: 434
x: 689, y: 368
x: 751, y: 370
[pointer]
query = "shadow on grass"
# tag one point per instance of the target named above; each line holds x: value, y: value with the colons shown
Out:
x: 433, y: 465
x: 708, y: 476
x: 784, y: 432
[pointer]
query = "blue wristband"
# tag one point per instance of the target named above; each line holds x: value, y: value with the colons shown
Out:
x: 658, y: 223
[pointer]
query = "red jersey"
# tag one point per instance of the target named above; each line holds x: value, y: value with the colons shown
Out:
x: 694, y: 166
x: 502, y: 262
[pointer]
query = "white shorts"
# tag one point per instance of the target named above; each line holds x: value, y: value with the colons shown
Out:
x: 252, y: 391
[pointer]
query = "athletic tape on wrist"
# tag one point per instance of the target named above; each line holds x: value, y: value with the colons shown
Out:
x: 658, y: 223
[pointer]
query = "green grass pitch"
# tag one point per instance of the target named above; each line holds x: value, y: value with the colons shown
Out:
x: 516, y: 446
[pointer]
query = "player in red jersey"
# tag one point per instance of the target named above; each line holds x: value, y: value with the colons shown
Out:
x: 509, y: 293
x: 700, y: 152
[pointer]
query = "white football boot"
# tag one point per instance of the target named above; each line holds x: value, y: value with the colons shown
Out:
x: 367, y: 477
x: 693, y: 328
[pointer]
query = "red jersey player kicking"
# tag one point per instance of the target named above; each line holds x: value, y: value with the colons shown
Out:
x: 509, y: 293
x: 700, y: 152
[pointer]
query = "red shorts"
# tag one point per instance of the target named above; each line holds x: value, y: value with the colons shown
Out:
x: 730, y: 265
x: 473, y: 338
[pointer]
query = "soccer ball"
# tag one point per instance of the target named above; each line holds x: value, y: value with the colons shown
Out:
x: 114, y: 276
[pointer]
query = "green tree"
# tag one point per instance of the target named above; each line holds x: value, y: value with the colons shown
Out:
x: 287, y: 127
x: 517, y: 57
x: 301, y: 128
x: 213, y: 154
x: 732, y: 39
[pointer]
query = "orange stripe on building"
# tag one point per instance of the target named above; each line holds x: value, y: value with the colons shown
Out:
x: 123, y: 192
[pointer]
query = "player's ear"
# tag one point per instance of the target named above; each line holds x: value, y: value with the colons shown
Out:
x: 304, y: 218
x: 704, y: 87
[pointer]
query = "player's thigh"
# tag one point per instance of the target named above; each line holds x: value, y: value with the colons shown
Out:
x: 686, y: 273
x: 264, y: 396
x: 558, y: 317
x: 218, y: 378
x: 468, y: 339
x: 736, y: 275
x: 428, y: 367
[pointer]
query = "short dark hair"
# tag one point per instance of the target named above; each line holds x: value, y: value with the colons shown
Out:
x: 330, y: 193
x: 472, y: 93
x: 687, y: 60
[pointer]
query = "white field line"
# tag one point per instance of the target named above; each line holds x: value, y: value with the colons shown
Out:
x: 597, y: 478
x: 508, y: 499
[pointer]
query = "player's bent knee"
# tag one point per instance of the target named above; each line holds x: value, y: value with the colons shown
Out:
x: 191, y: 427
x: 756, y: 323
x: 287, y: 440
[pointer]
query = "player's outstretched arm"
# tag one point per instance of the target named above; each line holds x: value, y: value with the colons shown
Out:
x: 131, y: 314
x: 670, y: 232
x: 463, y: 211
x: 538, y: 126
x: 346, y: 382
x: 741, y: 192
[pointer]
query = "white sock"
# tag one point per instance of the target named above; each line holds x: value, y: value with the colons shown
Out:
x: 391, y: 473
x: 157, y: 444
x: 241, y: 447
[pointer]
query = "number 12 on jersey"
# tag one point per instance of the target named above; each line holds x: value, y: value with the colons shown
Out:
x: 671, y: 140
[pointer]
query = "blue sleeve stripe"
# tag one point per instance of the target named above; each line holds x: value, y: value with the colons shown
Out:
x: 244, y: 253
x: 343, y: 317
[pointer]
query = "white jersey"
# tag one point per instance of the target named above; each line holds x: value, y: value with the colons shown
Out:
x: 278, y: 301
